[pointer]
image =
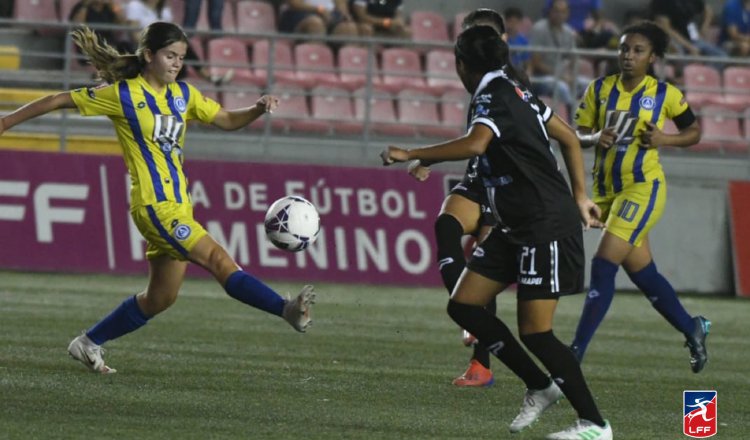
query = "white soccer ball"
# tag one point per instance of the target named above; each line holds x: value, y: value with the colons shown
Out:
x: 292, y: 223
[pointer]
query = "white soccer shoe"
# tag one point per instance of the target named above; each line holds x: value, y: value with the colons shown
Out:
x: 89, y: 354
x: 534, y: 404
x: 583, y: 429
x: 297, y: 311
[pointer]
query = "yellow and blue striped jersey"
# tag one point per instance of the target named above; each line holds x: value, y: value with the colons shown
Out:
x: 150, y: 127
x: 606, y: 103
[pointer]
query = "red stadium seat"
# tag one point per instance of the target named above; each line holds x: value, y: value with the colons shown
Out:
x: 334, y: 104
x: 586, y: 68
x: 428, y: 26
x: 453, y: 106
x: 230, y: 53
x: 441, y: 70
x: 207, y: 89
x: 702, y: 85
x: 281, y: 63
x: 65, y: 7
x: 382, y: 113
x: 315, y: 65
x: 293, y: 113
x: 255, y: 17
x: 197, y: 45
x: 737, y: 87
x: 420, y: 109
x: 747, y: 124
x: 246, y: 96
x: 38, y: 10
x: 721, y: 131
x: 353, y: 65
x: 402, y: 69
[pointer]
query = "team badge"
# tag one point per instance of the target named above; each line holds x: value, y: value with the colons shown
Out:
x: 647, y: 102
x: 699, y: 413
x: 181, y: 232
x: 179, y: 103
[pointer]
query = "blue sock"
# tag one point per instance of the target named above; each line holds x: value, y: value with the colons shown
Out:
x: 127, y: 317
x: 663, y: 297
x: 246, y: 288
x: 598, y: 300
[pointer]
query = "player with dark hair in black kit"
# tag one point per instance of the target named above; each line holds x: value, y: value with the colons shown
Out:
x: 461, y: 214
x: 537, y: 242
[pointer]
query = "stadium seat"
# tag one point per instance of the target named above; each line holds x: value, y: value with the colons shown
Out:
x: 315, y: 64
x: 586, y: 68
x: 558, y: 107
x: 453, y: 106
x: 737, y: 87
x: 747, y: 124
x: 207, y: 89
x: 293, y: 113
x: 420, y: 109
x: 197, y: 44
x: 428, y: 26
x: 255, y: 17
x: 441, y: 71
x: 65, y: 7
x: 245, y: 96
x: 353, y: 65
x: 702, y: 85
x: 382, y: 113
x: 230, y: 53
x: 38, y: 10
x: 334, y: 104
x: 402, y: 69
x: 281, y: 63
x: 721, y: 131
x: 10, y: 57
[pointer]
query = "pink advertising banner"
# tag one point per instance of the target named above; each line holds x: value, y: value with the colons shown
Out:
x: 69, y: 213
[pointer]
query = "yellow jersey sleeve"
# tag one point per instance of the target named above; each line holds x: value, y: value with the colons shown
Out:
x: 586, y: 112
x: 202, y: 107
x: 675, y: 103
x: 96, y: 101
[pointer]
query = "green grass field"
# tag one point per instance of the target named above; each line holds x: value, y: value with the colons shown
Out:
x: 377, y: 364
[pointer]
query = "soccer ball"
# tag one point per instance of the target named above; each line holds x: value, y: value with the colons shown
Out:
x: 292, y: 223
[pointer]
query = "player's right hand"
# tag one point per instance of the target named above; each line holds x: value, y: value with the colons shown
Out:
x: 418, y: 171
x: 607, y: 137
x: 394, y: 154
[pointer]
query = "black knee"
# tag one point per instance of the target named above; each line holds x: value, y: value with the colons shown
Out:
x: 464, y: 314
x: 448, y: 232
x: 542, y: 344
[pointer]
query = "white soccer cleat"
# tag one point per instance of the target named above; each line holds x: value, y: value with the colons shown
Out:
x: 89, y: 354
x: 583, y: 429
x: 534, y: 404
x: 297, y: 311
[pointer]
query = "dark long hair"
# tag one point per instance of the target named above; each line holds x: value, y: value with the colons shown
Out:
x: 484, y: 16
x: 658, y: 38
x: 114, y: 66
x: 481, y: 51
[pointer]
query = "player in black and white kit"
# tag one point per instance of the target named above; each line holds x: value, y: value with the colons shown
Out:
x: 538, y: 241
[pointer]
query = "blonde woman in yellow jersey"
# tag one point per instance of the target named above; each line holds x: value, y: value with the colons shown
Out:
x: 150, y: 110
x: 622, y: 116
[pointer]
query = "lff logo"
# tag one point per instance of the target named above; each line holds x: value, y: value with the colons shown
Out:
x: 699, y: 413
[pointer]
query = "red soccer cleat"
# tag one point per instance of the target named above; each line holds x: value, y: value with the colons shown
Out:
x: 475, y: 376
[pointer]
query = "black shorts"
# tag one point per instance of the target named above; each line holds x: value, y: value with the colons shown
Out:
x: 541, y: 270
x: 473, y: 190
x: 290, y: 19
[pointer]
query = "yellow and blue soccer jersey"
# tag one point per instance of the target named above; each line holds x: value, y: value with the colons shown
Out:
x: 151, y: 129
x: 607, y: 104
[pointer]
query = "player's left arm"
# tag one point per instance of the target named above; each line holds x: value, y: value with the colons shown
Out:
x: 570, y: 147
x: 474, y: 143
x: 238, y: 118
x: 677, y: 109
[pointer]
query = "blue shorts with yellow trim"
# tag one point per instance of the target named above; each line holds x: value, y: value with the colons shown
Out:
x: 631, y: 213
x: 169, y: 229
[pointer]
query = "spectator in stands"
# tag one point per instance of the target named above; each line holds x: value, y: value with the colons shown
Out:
x: 141, y: 13
x: 551, y: 72
x: 735, y: 30
x: 94, y: 12
x: 193, y: 10
x: 381, y: 18
x: 587, y: 20
x: 513, y: 22
x: 678, y: 18
x: 318, y: 17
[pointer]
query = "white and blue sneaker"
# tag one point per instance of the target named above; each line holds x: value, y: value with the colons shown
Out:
x: 89, y: 354
x: 583, y: 430
x: 534, y: 404
x: 297, y: 311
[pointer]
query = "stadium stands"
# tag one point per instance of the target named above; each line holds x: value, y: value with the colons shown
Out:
x: 429, y: 26
x: 353, y: 66
x: 230, y: 53
x: 381, y: 112
x: 281, y: 62
x: 415, y: 107
x: 334, y: 105
x: 255, y: 17
x: 721, y: 131
x: 702, y: 85
x: 315, y: 64
x: 401, y: 68
x: 440, y: 70
x: 736, y: 82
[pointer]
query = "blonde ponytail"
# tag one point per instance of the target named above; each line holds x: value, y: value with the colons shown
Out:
x: 111, y: 65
